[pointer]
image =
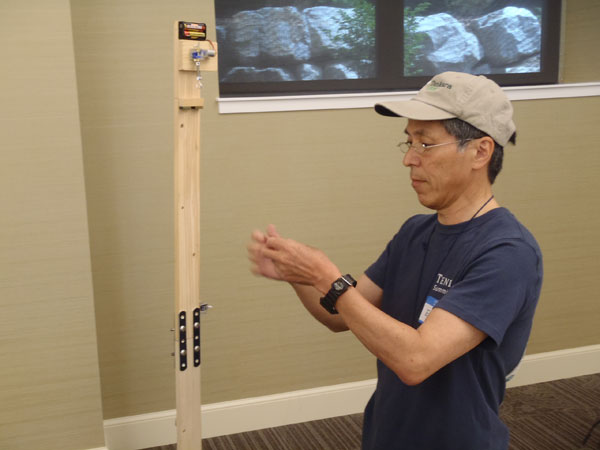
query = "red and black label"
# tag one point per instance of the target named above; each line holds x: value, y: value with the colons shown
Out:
x: 192, y: 31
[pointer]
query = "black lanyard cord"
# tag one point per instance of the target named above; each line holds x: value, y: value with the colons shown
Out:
x: 419, y: 295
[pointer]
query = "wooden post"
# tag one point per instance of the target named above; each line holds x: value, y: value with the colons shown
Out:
x: 187, y: 106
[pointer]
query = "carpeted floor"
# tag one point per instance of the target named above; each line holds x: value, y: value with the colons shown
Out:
x: 546, y: 416
x: 556, y: 415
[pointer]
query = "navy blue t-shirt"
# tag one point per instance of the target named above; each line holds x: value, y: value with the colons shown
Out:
x: 488, y: 272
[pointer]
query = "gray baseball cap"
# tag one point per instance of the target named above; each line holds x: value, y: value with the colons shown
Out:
x: 476, y: 100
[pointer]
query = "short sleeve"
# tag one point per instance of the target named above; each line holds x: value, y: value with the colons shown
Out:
x: 409, y: 232
x: 376, y: 271
x: 495, y: 288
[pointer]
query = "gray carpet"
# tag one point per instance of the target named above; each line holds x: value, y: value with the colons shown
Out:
x: 546, y: 416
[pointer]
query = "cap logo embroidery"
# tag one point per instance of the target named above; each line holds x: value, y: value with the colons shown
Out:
x: 434, y: 85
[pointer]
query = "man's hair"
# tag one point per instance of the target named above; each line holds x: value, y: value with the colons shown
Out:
x: 464, y: 131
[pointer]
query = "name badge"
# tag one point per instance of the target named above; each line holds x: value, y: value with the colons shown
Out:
x: 427, y: 308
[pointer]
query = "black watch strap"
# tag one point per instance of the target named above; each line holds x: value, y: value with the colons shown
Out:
x: 338, y: 287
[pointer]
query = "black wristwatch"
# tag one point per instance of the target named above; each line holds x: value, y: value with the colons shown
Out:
x: 338, y: 287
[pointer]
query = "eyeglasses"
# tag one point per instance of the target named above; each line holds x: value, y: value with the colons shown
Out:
x: 422, y: 148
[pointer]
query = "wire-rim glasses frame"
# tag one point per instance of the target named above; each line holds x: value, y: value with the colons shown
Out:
x: 421, y: 149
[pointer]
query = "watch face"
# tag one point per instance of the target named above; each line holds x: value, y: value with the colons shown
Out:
x: 338, y: 285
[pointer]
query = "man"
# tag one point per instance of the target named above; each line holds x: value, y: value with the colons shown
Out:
x: 448, y: 306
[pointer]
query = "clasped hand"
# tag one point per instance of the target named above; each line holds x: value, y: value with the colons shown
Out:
x: 275, y: 257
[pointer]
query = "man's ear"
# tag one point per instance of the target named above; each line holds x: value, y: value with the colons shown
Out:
x: 484, y: 147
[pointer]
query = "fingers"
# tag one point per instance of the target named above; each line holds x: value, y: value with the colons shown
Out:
x: 261, y: 263
x: 258, y: 236
x: 272, y: 231
x: 275, y: 243
x: 253, y: 255
x: 256, y: 244
x: 272, y: 254
x: 253, y: 247
x: 260, y: 243
x: 278, y: 258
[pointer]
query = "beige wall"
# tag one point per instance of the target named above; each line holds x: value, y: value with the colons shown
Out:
x: 49, y: 380
x: 331, y: 178
x: 580, y: 51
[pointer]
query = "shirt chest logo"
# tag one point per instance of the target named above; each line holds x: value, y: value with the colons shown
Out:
x: 443, y: 281
x: 441, y: 285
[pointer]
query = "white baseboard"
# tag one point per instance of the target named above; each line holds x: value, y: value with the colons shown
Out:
x: 155, y: 429
x: 550, y: 366
x: 141, y: 431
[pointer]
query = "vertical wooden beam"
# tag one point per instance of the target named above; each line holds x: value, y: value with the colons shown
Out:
x: 187, y: 106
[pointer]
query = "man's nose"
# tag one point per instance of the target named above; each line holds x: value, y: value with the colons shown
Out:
x: 411, y: 158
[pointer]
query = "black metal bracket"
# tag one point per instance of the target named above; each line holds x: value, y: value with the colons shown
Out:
x: 196, y: 337
x: 182, y: 341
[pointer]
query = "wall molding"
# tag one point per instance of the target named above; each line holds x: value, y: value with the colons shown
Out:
x: 231, y: 105
x: 155, y: 429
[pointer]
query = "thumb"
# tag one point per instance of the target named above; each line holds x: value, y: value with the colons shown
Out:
x: 272, y: 231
